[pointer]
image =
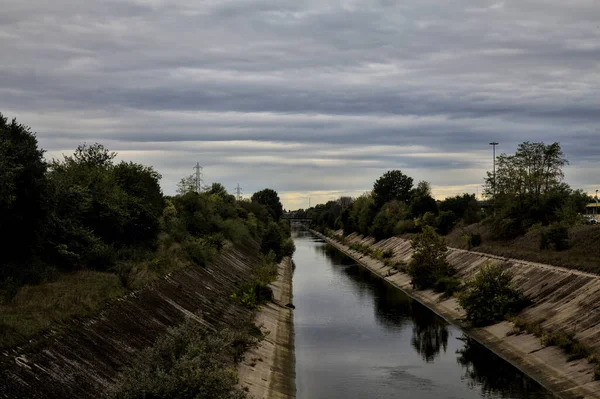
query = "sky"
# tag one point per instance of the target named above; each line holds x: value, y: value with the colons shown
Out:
x: 315, y: 99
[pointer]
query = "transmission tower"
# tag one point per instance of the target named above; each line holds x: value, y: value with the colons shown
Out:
x: 238, y: 192
x: 198, y: 178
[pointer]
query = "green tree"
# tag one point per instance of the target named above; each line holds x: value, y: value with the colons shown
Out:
x: 23, y: 197
x: 385, y: 221
x: 463, y: 206
x: 270, y: 200
x: 272, y: 241
x: 186, y: 185
x: 428, y: 263
x: 362, y: 213
x: 393, y: 185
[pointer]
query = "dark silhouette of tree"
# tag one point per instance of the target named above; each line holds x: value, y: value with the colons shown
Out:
x: 270, y: 199
x: 393, y: 185
x: 23, y: 197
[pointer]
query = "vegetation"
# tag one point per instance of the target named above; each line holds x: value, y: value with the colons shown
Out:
x: 191, y: 362
x: 393, y: 207
x: 490, y: 296
x: 85, y: 230
x: 428, y: 267
x: 528, y: 188
x: 566, y: 341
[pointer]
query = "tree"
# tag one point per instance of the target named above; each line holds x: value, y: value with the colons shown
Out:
x: 269, y: 199
x: 23, y: 195
x: 463, y: 206
x: 533, y: 171
x: 93, y: 155
x: 345, y: 202
x: 385, y: 221
x: 428, y: 264
x: 528, y: 188
x: 186, y: 185
x: 393, y: 185
x: 362, y: 213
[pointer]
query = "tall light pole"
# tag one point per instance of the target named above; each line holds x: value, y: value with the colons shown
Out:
x: 596, y: 208
x: 494, y: 144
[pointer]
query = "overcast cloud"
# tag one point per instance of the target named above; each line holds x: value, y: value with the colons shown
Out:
x: 311, y: 98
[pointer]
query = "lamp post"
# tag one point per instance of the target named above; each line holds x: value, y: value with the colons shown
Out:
x: 494, y: 144
x: 596, y: 208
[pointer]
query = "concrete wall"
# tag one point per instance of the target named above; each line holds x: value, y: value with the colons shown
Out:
x: 86, y: 360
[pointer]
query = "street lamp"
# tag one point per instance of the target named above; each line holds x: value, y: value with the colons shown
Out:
x: 596, y: 208
x: 494, y: 144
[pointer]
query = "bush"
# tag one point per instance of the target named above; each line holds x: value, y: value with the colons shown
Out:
x: 471, y: 240
x: 556, y: 237
x: 429, y: 264
x: 288, y: 248
x: 405, y: 226
x: 447, y: 285
x: 253, y: 294
x: 490, y: 296
x: 445, y: 221
x: 189, y: 362
x: 198, y: 252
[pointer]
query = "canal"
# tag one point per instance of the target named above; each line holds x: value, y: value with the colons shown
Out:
x: 358, y: 337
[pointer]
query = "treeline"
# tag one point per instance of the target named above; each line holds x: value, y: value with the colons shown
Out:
x: 527, y: 193
x: 394, y: 206
x: 88, y: 212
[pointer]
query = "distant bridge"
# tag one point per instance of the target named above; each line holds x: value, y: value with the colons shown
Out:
x: 303, y: 221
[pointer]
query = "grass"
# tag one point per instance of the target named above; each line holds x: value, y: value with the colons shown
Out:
x: 571, y: 346
x: 38, y: 308
x: 45, y: 306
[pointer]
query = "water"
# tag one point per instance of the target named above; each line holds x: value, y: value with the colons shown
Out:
x: 358, y: 337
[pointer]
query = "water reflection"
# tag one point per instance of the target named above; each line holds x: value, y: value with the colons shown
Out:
x: 393, y: 308
x: 492, y: 374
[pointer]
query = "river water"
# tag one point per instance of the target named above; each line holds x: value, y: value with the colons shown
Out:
x: 358, y: 337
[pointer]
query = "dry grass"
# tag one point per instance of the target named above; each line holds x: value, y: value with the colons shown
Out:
x: 583, y: 254
x: 52, y: 305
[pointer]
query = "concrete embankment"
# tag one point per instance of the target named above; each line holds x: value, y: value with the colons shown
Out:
x: 86, y: 360
x: 564, y: 300
x: 268, y: 371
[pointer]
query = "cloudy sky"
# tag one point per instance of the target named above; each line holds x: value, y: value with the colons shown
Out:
x: 311, y: 98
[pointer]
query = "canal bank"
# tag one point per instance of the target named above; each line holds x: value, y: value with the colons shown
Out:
x: 267, y: 371
x: 547, y: 365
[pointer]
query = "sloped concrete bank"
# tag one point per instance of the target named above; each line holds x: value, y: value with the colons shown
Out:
x: 564, y: 300
x: 86, y: 360
x: 268, y: 371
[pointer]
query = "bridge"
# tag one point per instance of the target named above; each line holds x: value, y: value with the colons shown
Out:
x: 297, y: 221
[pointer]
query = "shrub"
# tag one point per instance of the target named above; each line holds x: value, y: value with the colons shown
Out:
x: 253, y: 294
x: 471, y: 240
x: 447, y: 285
x: 405, y: 226
x: 199, y: 252
x: 429, y: 263
x: 490, y: 296
x: 101, y: 256
x: 388, y: 253
x: 189, y: 362
x: 288, y: 247
x: 557, y: 237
